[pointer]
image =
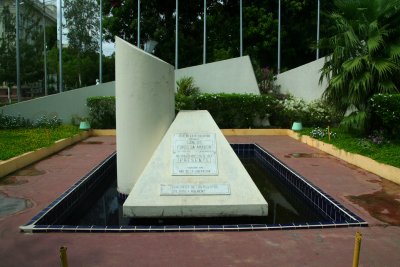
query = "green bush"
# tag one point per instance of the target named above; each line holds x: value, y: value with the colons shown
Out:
x: 314, y: 114
x: 291, y: 109
x: 385, y: 109
x: 321, y: 114
x: 102, y: 112
x: 231, y: 110
x: 14, y: 122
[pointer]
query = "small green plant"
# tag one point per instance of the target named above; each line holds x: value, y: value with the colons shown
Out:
x: 378, y: 138
x: 47, y: 122
x: 364, y: 144
x: 187, y: 87
x: 320, y: 133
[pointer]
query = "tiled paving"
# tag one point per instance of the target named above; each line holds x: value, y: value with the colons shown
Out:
x: 315, y: 247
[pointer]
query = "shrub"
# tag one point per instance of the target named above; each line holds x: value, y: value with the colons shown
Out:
x: 314, y: 114
x: 291, y: 109
x: 231, y: 110
x: 186, y: 87
x: 321, y: 114
x: 102, y: 112
x: 18, y: 122
x: 14, y: 122
x: 385, y: 111
x: 47, y: 122
x: 267, y: 80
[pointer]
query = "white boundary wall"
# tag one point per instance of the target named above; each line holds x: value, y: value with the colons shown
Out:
x: 303, y: 82
x: 64, y: 105
x: 234, y: 75
x: 145, y: 108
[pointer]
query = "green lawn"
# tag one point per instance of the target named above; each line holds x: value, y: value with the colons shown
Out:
x: 17, y: 142
x: 387, y: 152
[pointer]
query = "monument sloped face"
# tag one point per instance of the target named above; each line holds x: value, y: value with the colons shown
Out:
x: 194, y: 172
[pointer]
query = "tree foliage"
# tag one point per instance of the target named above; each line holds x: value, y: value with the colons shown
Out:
x: 260, y: 20
x: 82, y: 21
x: 7, y: 46
x: 364, y: 54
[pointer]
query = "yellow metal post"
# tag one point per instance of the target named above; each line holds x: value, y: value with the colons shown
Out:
x: 357, y: 245
x: 63, y: 256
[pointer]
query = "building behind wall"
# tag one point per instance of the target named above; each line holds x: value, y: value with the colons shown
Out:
x: 32, y: 13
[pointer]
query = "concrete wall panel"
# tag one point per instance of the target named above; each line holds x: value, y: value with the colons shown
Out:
x: 145, y: 109
x: 64, y: 105
x: 234, y: 75
x: 303, y: 82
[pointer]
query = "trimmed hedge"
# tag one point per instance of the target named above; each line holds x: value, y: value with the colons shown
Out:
x: 102, y: 112
x: 232, y: 110
x: 386, y: 112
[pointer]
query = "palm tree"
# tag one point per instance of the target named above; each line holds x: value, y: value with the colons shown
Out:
x: 363, y: 55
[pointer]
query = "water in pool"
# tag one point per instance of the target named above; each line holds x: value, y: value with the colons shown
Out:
x: 103, y: 208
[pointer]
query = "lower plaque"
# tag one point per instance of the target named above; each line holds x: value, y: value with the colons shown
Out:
x: 194, y: 189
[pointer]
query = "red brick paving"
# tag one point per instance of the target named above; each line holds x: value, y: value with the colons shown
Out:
x: 319, y: 247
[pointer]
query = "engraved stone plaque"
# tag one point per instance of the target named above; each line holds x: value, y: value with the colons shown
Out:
x: 194, y: 154
x: 194, y: 189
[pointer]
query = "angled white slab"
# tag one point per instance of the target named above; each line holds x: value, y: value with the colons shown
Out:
x: 206, y: 186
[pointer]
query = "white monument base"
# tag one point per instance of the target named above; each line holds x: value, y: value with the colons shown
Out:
x: 194, y: 172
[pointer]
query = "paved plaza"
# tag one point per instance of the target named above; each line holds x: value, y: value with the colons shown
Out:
x: 375, y: 200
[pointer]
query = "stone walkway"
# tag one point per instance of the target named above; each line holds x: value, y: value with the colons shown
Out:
x: 375, y: 200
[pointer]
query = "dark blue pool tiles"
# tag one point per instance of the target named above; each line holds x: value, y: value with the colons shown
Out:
x: 314, y: 195
x: 70, y: 197
x: 243, y: 149
x: 189, y: 228
x: 337, y: 215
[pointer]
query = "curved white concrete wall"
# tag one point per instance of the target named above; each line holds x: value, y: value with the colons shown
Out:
x: 303, y: 82
x: 64, y: 105
x: 234, y: 75
x: 145, y: 108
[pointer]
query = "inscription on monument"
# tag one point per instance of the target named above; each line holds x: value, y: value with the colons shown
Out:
x: 194, y: 189
x: 194, y: 154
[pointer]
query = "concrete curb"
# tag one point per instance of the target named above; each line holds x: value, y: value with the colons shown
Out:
x: 18, y: 162
x: 103, y: 132
x: 383, y: 170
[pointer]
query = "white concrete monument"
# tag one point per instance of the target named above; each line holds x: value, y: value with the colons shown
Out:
x: 194, y: 172
x: 145, y: 108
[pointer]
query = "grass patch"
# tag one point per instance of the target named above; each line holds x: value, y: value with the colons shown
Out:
x: 19, y: 141
x: 386, y: 152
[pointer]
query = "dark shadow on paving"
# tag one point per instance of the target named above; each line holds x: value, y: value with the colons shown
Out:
x: 13, y: 180
x: 383, y: 205
x: 92, y: 142
x: 10, y: 205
